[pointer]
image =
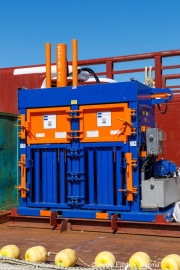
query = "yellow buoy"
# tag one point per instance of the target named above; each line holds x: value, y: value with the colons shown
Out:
x: 66, y: 258
x: 36, y: 254
x: 143, y: 254
x: 171, y: 262
x: 105, y: 258
x: 138, y: 262
x: 10, y: 251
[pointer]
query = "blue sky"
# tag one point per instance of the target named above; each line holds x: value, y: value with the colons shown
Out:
x: 103, y: 28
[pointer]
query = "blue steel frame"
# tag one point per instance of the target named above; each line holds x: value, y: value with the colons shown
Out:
x: 82, y: 182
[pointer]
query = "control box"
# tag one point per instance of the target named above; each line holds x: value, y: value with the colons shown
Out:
x: 154, y: 141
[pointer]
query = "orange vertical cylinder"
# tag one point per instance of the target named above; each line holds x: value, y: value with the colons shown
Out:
x: 48, y: 65
x: 74, y: 62
x: 61, y: 65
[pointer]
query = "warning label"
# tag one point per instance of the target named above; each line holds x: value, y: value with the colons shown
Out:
x: 104, y: 119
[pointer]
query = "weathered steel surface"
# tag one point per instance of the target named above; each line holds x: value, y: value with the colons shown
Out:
x: 9, y: 85
x: 170, y: 124
x: 4, y: 216
x: 158, y: 228
x: 88, y: 245
x: 8, y: 161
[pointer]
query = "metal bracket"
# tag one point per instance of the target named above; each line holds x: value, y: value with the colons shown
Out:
x: 53, y: 221
x: 75, y: 201
x: 74, y: 134
x: 75, y: 152
x: 75, y: 176
x: 114, y: 225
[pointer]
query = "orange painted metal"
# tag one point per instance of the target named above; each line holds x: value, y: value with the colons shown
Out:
x: 23, y: 126
x: 118, y: 128
x: 22, y: 187
x: 45, y: 213
x: 48, y: 65
x: 143, y: 154
x: 61, y: 65
x: 74, y: 62
x: 165, y: 95
x: 102, y: 215
x: 129, y: 177
x: 53, y: 130
x: 143, y: 128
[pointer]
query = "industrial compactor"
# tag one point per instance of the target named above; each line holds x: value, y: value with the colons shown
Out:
x: 92, y: 151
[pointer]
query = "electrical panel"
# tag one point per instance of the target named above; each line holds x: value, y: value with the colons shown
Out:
x: 154, y: 141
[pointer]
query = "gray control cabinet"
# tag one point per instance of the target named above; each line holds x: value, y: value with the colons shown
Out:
x: 160, y: 192
x: 154, y: 141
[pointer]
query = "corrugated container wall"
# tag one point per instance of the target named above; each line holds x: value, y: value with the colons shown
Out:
x: 170, y: 123
x: 8, y: 161
x: 9, y: 84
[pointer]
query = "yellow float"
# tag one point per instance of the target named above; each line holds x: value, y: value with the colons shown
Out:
x: 105, y: 258
x: 171, y: 262
x: 66, y: 258
x: 36, y: 254
x: 139, y: 260
x: 10, y: 251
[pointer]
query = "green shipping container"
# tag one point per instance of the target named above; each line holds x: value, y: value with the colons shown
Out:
x: 9, y: 196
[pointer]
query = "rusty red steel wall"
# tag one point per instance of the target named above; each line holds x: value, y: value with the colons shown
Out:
x: 9, y: 84
x: 170, y: 123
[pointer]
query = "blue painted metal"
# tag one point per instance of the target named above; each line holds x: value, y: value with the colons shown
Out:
x: 90, y: 94
x: 164, y: 167
x: 80, y: 179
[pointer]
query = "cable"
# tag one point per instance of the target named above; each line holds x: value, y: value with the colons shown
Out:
x: 164, y: 110
x: 88, y: 70
x: 91, y: 72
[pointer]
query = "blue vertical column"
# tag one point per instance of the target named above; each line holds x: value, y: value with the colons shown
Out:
x: 44, y: 175
x: 69, y: 183
x: 49, y: 175
x: 37, y: 174
x: 75, y: 166
x: 99, y: 177
x: 119, y: 185
x: 62, y: 175
x: 91, y: 174
x: 82, y: 176
x: 105, y: 174
x: 110, y: 176
x: 54, y: 176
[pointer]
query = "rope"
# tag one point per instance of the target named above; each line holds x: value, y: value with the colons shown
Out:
x: 84, y: 262
x: 54, y: 253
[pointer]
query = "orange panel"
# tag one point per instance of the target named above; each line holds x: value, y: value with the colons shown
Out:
x: 102, y: 215
x: 45, y: 213
x: 48, y: 125
x: 106, y: 123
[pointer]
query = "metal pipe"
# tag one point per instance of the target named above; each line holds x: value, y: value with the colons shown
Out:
x: 74, y: 62
x: 48, y: 65
x: 61, y: 65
